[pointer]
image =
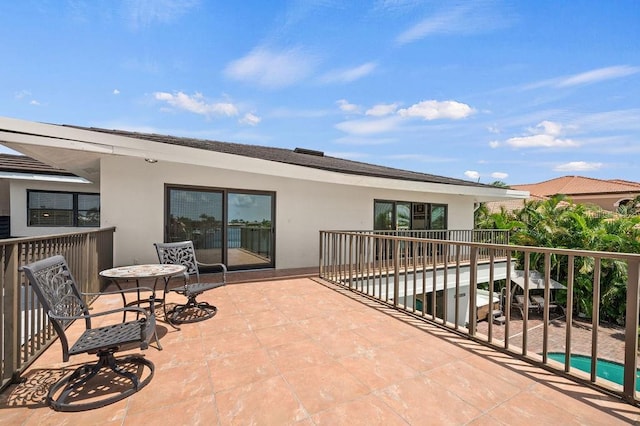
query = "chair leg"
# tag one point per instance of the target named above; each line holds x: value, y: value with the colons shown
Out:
x: 75, y: 387
x: 208, y: 310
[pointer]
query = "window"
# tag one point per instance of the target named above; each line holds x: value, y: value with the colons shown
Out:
x: 402, y: 215
x: 228, y: 226
x: 48, y: 208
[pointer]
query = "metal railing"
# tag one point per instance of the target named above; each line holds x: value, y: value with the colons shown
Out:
x: 440, y: 281
x: 25, y: 331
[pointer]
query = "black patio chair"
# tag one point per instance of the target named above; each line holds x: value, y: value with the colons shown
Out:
x: 58, y: 294
x: 183, y: 253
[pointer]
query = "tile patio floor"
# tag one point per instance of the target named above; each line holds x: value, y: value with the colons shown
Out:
x: 297, y: 351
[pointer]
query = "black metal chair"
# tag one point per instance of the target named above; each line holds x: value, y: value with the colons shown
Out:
x: 58, y: 294
x: 183, y: 253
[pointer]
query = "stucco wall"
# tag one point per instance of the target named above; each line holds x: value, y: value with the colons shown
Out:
x: 132, y: 199
x: 607, y: 202
x: 18, y: 194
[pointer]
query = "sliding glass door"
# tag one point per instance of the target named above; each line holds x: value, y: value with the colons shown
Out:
x: 232, y: 227
x: 249, y: 229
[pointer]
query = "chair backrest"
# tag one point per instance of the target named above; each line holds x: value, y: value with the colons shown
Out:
x: 179, y: 253
x: 57, y: 292
x: 520, y: 299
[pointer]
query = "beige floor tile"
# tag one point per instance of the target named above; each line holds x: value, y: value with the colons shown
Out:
x: 263, y: 319
x: 378, y: 367
x: 170, y: 386
x: 324, y: 386
x: 422, y: 401
x: 299, y: 354
x: 366, y: 411
x: 479, y: 389
x: 192, y: 411
x: 267, y: 402
x: 230, y: 343
x: 279, y: 335
x: 241, y: 369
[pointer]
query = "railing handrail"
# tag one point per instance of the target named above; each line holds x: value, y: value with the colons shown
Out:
x: 514, y: 247
x: 14, y: 240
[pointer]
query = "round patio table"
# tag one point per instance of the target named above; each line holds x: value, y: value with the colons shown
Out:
x: 140, y: 272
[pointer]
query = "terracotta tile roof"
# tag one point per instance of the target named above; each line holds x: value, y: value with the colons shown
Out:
x: 625, y: 182
x: 23, y: 164
x: 579, y: 185
x: 299, y: 157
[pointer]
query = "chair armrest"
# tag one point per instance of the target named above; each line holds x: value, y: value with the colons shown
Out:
x: 218, y: 265
x: 100, y: 314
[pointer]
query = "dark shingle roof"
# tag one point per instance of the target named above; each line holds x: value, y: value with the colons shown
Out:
x: 304, y: 157
x: 23, y: 164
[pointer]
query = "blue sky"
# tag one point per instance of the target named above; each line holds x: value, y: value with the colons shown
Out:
x: 517, y: 91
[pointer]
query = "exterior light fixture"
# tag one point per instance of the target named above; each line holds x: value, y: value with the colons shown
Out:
x: 151, y: 160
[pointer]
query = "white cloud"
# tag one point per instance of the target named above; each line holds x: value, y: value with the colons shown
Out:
x: 433, y: 110
x: 382, y: 109
x: 577, y: 166
x: 300, y: 113
x: 142, y: 13
x: 549, y: 128
x: 463, y: 18
x: 349, y: 75
x: 25, y: 94
x: 494, y: 144
x: 587, y: 77
x: 368, y: 126
x: 346, y: 106
x: 386, y: 117
x: 472, y: 174
x: 271, y: 69
x: 196, y: 104
x: 545, y: 141
x: 499, y: 175
x: 22, y: 94
x: 364, y: 140
x: 116, y: 92
x: 250, y: 119
x: 544, y: 135
x: 597, y: 75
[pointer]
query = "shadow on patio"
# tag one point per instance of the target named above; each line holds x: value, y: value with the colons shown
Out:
x: 299, y: 351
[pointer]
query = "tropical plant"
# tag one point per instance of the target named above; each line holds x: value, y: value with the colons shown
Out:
x: 557, y: 222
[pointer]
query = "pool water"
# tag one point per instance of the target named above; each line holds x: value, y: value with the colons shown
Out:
x: 609, y: 370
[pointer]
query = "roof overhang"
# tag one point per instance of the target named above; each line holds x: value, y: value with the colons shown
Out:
x: 42, y: 177
x: 79, y: 151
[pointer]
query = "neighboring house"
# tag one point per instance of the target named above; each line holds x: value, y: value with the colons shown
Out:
x: 608, y: 194
x: 248, y: 206
x: 511, y: 205
x: 37, y: 199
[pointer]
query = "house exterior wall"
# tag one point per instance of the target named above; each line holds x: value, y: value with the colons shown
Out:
x: 18, y: 200
x: 607, y: 202
x: 133, y: 191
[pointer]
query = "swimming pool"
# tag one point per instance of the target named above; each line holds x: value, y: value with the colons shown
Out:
x: 606, y: 369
